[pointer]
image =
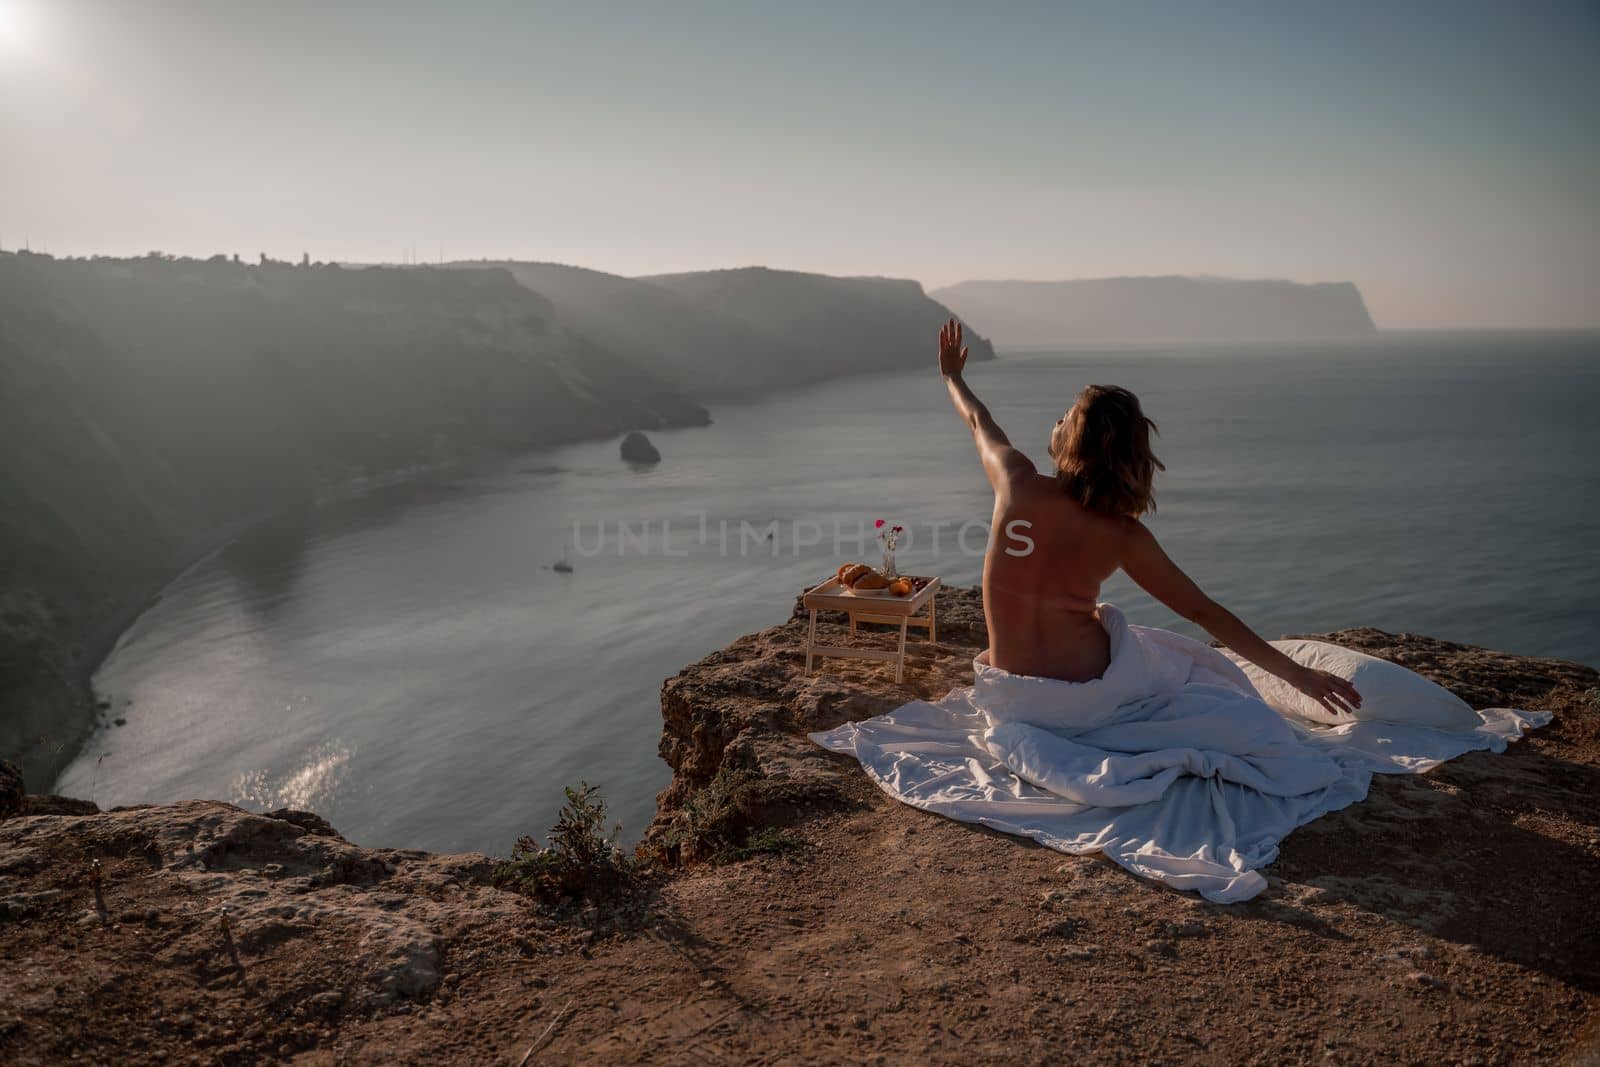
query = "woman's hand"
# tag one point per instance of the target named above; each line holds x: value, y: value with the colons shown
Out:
x: 1331, y: 691
x: 952, y: 355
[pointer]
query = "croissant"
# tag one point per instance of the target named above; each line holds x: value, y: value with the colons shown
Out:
x: 871, y: 580
x: 851, y: 573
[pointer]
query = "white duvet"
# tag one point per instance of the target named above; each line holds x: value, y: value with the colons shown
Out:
x: 1170, y: 763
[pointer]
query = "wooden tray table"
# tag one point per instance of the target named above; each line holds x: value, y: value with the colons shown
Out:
x: 905, y: 610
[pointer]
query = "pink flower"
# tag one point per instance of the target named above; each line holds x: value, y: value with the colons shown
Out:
x: 897, y: 529
x: 878, y: 525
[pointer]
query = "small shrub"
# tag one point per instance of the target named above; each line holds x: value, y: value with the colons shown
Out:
x: 722, y: 822
x: 581, y: 861
x: 769, y: 840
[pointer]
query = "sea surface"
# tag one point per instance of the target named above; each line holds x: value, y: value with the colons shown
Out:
x: 407, y: 665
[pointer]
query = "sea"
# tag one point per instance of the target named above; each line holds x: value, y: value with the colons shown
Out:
x: 409, y: 665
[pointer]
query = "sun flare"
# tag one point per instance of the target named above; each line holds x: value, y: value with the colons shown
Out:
x: 16, y: 29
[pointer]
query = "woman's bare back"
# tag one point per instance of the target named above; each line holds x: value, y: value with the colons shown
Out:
x: 1041, y: 582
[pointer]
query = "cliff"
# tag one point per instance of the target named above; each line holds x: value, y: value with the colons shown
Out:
x: 149, y: 405
x: 1448, y: 918
x: 731, y: 333
x: 709, y: 353
x: 1116, y: 310
x: 818, y: 326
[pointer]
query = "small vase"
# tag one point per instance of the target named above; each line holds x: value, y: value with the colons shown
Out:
x: 888, y: 564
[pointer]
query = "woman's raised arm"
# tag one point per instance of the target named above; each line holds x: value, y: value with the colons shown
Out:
x: 1001, y: 461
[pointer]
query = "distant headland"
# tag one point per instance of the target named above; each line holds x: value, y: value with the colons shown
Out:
x: 1172, y: 308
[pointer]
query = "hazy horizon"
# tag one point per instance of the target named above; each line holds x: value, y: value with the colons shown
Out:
x: 1442, y: 157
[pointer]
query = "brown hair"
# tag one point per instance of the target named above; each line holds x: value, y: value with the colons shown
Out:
x: 1102, y: 452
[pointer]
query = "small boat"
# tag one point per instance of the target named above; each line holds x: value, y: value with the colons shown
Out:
x: 561, y: 566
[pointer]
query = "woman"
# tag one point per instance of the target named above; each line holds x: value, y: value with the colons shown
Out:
x: 1067, y: 532
x: 1089, y: 734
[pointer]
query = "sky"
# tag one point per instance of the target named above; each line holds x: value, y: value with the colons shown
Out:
x: 1444, y: 157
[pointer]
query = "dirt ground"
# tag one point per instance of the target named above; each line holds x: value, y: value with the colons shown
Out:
x: 1450, y: 918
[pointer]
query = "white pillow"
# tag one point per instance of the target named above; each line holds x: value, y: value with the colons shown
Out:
x: 1389, y: 692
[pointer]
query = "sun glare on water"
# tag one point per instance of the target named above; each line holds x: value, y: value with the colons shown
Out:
x: 306, y: 787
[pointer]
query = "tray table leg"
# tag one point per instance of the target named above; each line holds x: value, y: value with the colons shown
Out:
x: 900, y: 663
x: 933, y: 605
x: 811, y: 639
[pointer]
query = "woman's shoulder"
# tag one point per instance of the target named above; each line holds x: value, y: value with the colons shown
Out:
x: 1045, y: 499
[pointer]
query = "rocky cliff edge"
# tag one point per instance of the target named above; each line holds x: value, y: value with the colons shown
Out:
x: 800, y: 914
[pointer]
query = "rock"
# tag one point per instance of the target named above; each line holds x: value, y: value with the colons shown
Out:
x: 1078, y: 954
x: 13, y: 793
x: 326, y: 1001
x: 49, y: 804
x: 1423, y: 978
x: 308, y: 821
x: 1176, y: 930
x: 289, y: 883
x: 1062, y: 929
x: 745, y: 709
x: 636, y: 448
x: 22, y: 905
